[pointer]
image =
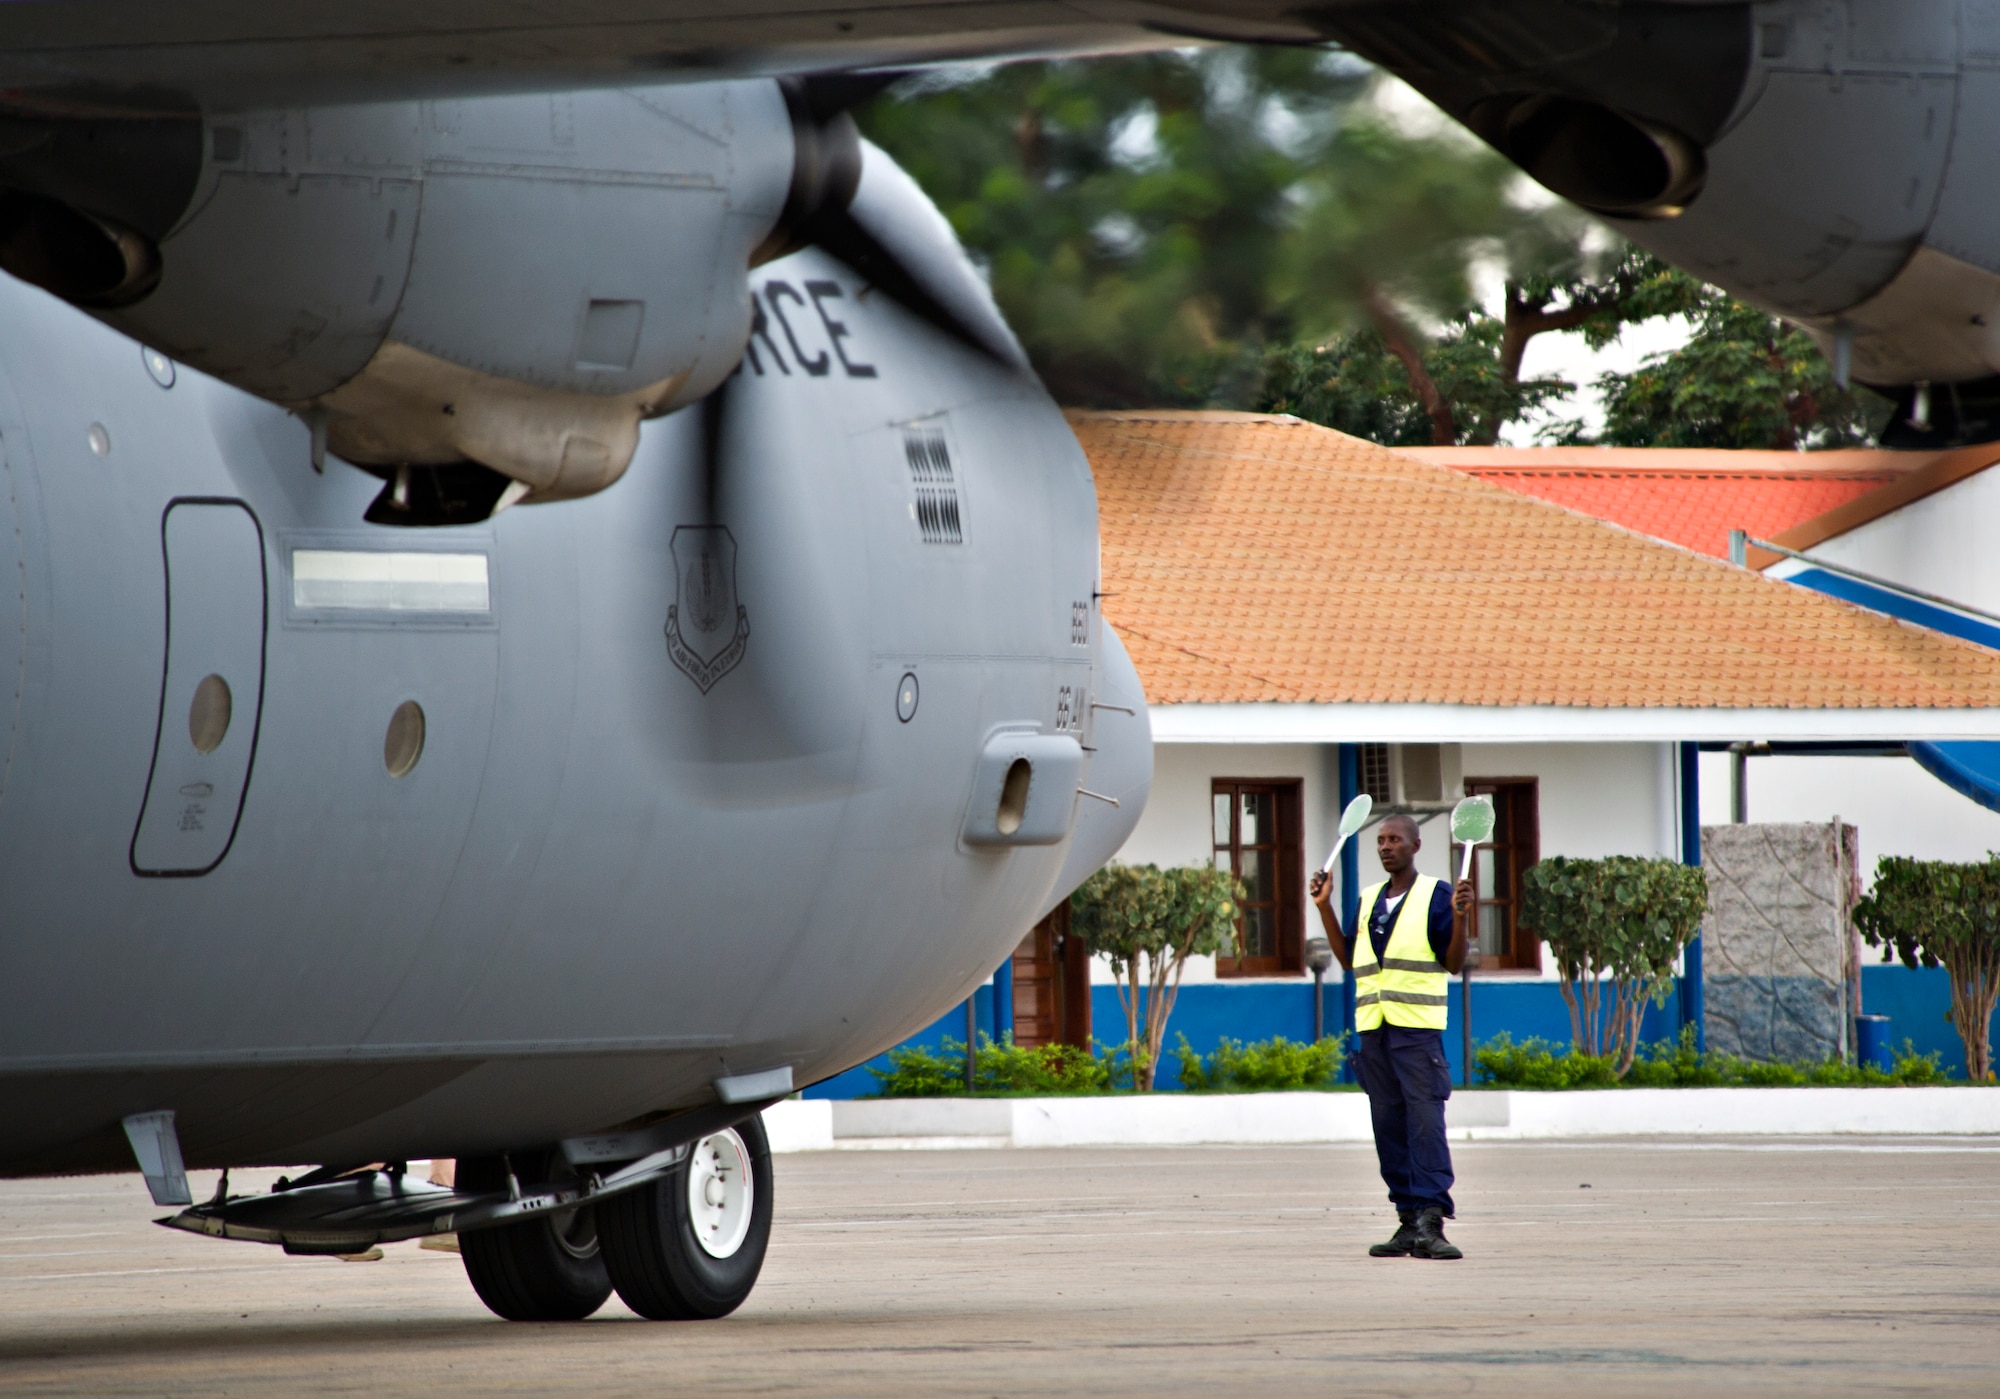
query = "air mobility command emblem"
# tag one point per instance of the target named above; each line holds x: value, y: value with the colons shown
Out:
x: 707, y: 627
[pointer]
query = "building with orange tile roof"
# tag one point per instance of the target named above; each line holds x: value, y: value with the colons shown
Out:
x: 1297, y: 601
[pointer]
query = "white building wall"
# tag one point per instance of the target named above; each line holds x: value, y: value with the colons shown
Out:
x: 1595, y: 799
x: 1895, y: 806
x: 1176, y: 828
x: 1941, y: 544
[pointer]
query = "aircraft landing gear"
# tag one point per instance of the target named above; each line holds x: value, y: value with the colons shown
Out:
x: 689, y: 1245
x: 549, y: 1268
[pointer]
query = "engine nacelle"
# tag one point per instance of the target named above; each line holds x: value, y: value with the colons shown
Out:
x: 511, y: 282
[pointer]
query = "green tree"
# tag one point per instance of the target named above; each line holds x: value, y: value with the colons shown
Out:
x: 1618, y: 924
x: 1932, y: 913
x: 1457, y: 392
x: 1390, y: 384
x: 1146, y: 922
x: 1743, y: 379
x: 1152, y: 223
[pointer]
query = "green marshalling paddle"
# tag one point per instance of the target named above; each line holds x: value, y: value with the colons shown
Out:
x: 1351, y: 820
x: 1471, y: 825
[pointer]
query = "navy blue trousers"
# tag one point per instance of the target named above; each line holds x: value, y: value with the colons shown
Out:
x: 1407, y: 1082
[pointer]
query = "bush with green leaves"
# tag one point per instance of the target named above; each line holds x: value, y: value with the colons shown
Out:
x: 1146, y: 922
x: 1617, y: 924
x: 1003, y: 1068
x: 1275, y: 1065
x: 1537, y: 1064
x: 1935, y: 914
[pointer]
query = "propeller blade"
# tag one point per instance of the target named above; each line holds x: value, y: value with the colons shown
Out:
x: 838, y: 233
x: 877, y: 235
x: 714, y: 410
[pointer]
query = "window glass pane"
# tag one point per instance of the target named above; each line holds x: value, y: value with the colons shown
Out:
x: 1222, y: 860
x: 1257, y: 875
x: 1493, y: 930
x: 1260, y: 932
x: 1256, y: 818
x: 1222, y: 804
x: 1483, y: 871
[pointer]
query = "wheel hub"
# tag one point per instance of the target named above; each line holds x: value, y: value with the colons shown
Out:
x: 719, y: 1193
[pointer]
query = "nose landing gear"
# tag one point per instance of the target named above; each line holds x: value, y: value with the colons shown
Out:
x: 547, y: 1268
x: 685, y: 1246
x: 689, y: 1246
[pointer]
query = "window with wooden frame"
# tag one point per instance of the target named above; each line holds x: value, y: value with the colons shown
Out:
x: 1497, y: 867
x: 1258, y: 833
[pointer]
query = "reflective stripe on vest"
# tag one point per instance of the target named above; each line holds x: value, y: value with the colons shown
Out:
x: 1409, y: 986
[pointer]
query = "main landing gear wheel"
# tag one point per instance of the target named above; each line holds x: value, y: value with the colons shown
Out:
x: 689, y: 1245
x: 549, y: 1268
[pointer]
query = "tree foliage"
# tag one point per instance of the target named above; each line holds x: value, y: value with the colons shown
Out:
x: 1933, y: 913
x: 1743, y: 379
x: 1617, y: 924
x: 1357, y: 385
x: 1151, y: 223
x: 1260, y: 228
x: 1146, y: 922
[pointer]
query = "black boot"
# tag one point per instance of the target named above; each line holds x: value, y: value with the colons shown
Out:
x: 1429, y: 1240
x: 1399, y: 1242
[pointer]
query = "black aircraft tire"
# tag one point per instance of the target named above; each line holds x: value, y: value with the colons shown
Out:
x: 661, y: 1269
x: 546, y: 1269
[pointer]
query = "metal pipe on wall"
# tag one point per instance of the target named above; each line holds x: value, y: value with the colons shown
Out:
x: 1003, y: 999
x: 971, y: 1039
x: 1691, y: 1007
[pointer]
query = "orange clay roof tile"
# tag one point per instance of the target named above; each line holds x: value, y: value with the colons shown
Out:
x: 1689, y: 497
x: 1251, y: 558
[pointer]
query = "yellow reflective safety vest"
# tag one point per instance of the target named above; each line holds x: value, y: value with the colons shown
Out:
x: 1409, y: 987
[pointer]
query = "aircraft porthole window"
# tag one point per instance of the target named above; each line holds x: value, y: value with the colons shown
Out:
x: 404, y: 743
x: 159, y: 366
x: 208, y: 714
x: 906, y: 697
x: 100, y: 440
x: 1014, y: 797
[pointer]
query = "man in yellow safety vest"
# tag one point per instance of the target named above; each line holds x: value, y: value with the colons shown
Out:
x: 1402, y: 970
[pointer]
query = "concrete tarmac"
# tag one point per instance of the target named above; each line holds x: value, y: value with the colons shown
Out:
x: 1622, y: 1268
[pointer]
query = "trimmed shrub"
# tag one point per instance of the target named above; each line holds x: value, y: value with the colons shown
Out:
x: 1618, y: 924
x: 1267, y: 1066
x: 1537, y: 1064
x: 1936, y: 914
x: 1002, y: 1069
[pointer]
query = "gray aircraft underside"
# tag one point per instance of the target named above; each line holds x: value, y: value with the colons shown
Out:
x: 1831, y: 160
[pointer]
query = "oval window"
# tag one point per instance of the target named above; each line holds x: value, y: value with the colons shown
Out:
x: 404, y: 743
x: 1014, y: 797
x: 208, y: 714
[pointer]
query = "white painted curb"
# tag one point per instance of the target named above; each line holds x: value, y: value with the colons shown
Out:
x: 1186, y: 1119
x: 800, y: 1124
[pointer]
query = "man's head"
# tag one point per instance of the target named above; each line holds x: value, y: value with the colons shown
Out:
x: 1397, y: 843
